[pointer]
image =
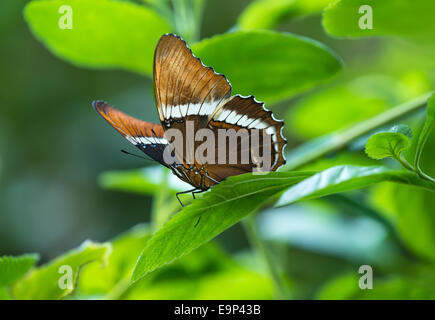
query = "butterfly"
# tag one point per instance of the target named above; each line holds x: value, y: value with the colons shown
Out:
x: 189, y: 93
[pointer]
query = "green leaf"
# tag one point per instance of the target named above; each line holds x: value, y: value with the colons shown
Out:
x: 96, y: 279
x: 144, y: 181
x: 42, y: 283
x: 344, y: 178
x: 104, y: 34
x: 342, y: 287
x: 386, y: 144
x: 273, y: 66
x: 222, y: 286
x: 4, y: 294
x: 220, y: 208
x: 341, y: 18
x: 427, y: 128
x: 13, y: 268
x: 266, y: 14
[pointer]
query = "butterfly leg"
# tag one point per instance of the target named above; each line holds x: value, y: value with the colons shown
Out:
x: 196, y: 192
x: 199, y: 191
x: 183, y: 192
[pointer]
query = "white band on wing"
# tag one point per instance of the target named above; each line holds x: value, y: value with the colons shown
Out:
x: 146, y: 140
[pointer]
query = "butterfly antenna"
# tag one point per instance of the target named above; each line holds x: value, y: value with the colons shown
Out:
x: 132, y: 154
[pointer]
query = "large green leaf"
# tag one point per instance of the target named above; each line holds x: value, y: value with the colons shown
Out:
x: 13, y: 268
x: 220, y: 208
x: 345, y: 178
x: 273, y: 66
x: 342, y: 16
x: 43, y: 282
x: 265, y: 14
x: 104, y: 34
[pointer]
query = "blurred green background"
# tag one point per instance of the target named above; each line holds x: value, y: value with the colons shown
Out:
x: 53, y: 147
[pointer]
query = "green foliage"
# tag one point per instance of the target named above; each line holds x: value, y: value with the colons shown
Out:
x: 427, y: 128
x: 208, y: 216
x: 407, y: 210
x: 190, y: 277
x: 393, y: 143
x: 43, y: 282
x: 13, y: 268
x: 105, y: 34
x: 266, y: 14
x: 294, y: 65
x: 98, y: 279
x: 342, y: 287
x: 124, y: 35
x: 341, y: 18
x: 344, y: 105
x: 395, y: 287
x: 386, y: 144
x: 344, y: 178
x: 205, y: 273
x: 142, y: 181
x: 341, y: 158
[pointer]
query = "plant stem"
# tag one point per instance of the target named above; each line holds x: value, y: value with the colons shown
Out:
x: 258, y: 242
x: 159, y: 210
x: 405, y: 163
x: 320, y: 147
x: 163, y: 8
x: 187, y: 18
x: 410, y: 167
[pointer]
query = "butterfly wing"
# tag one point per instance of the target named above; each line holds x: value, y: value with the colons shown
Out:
x: 250, y: 114
x: 148, y: 137
x: 183, y: 86
x: 245, y: 113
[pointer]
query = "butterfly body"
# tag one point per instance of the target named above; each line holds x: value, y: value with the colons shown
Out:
x: 192, y: 100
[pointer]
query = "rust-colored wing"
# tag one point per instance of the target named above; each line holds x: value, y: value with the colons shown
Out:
x: 148, y: 137
x: 183, y: 86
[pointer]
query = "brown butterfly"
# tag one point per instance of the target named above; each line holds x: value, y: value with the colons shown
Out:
x: 187, y: 92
